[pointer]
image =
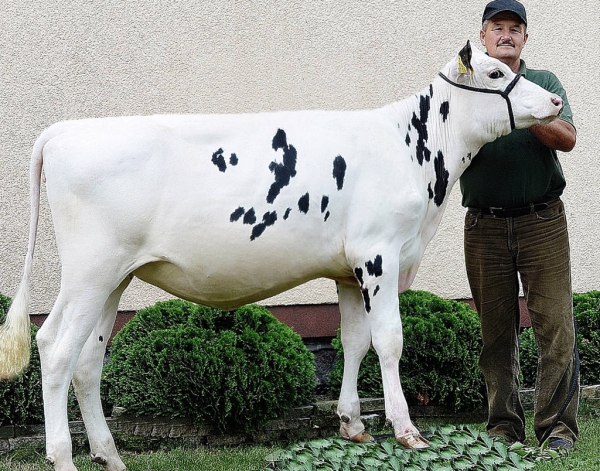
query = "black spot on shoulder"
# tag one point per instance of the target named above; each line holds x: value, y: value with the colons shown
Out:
x: 250, y: 216
x: 420, y: 124
x: 444, y: 110
x: 233, y: 160
x: 280, y: 140
x: 283, y: 171
x: 303, y: 203
x: 238, y: 213
x: 375, y: 268
x: 268, y: 219
x: 441, y: 179
x: 324, y: 203
x: 287, y: 213
x: 219, y: 160
x: 339, y: 171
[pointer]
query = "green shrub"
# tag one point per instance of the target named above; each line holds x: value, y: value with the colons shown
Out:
x: 442, y: 342
x: 586, y: 308
x: 235, y: 369
x: 21, y: 398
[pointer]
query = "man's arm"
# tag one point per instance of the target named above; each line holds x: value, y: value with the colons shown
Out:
x: 558, y: 135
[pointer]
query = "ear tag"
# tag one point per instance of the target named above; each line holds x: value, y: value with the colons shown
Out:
x: 462, y: 68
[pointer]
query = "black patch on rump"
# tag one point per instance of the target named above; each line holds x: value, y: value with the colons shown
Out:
x: 420, y: 124
x: 238, y: 213
x: 219, y: 160
x: 339, y: 171
x: 444, y: 110
x: 284, y: 171
x: 267, y: 220
x: 441, y: 179
x: 303, y: 203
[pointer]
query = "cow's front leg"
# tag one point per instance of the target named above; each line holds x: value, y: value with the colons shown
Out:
x: 356, y: 339
x: 386, y: 333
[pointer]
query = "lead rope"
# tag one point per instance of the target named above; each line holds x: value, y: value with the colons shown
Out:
x: 574, y: 386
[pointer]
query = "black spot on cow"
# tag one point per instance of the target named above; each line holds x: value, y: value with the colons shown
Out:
x: 441, y: 179
x: 376, y: 291
x: 101, y: 339
x: 303, y: 203
x: 444, y: 110
x: 431, y: 90
x: 339, y: 171
x: 375, y: 268
x: 420, y: 124
x: 283, y: 171
x: 268, y: 219
x: 324, y: 203
x: 358, y: 273
x: 233, y: 160
x: 430, y: 191
x: 366, y: 299
x: 219, y: 160
x: 250, y: 216
x: 327, y: 214
x: 287, y: 213
x: 238, y: 213
x: 407, y: 140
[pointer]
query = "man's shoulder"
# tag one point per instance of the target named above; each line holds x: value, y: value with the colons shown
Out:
x: 541, y: 77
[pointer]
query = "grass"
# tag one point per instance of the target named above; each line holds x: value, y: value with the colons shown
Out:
x: 585, y: 456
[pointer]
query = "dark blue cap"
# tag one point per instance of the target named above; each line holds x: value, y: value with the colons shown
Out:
x: 498, y: 6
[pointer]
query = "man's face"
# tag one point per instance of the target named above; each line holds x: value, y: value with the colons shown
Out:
x: 504, y: 38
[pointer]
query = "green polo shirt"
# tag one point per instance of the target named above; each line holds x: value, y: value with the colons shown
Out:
x: 517, y: 169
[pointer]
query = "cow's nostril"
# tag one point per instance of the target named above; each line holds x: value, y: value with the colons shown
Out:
x: 556, y: 101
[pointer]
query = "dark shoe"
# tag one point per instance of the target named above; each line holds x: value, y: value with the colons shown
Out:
x: 557, y: 443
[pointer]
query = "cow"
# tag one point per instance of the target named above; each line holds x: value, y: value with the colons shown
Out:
x: 225, y: 210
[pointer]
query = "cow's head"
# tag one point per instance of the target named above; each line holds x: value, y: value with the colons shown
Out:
x: 497, y: 99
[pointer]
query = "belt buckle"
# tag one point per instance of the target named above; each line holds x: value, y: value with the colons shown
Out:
x: 492, y: 209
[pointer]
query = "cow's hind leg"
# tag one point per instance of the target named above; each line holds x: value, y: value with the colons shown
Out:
x: 60, y: 341
x: 356, y: 340
x: 86, y: 381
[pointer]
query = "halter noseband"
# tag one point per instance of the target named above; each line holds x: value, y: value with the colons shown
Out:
x: 503, y: 94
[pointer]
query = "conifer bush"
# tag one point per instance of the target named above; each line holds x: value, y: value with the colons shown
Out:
x: 21, y: 398
x: 234, y: 369
x: 442, y: 342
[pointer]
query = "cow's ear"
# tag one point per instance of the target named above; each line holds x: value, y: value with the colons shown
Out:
x: 464, y: 66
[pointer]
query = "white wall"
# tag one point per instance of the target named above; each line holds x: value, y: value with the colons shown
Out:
x: 66, y: 59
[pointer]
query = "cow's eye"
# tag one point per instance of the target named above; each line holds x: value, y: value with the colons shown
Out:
x: 495, y: 74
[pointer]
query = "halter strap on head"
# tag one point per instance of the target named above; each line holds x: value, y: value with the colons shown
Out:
x: 503, y: 94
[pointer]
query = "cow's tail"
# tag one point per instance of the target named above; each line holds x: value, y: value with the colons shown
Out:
x: 15, y: 333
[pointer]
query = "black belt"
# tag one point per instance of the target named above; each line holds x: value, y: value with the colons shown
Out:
x: 512, y: 212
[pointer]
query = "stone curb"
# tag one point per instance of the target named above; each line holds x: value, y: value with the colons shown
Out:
x: 308, y: 422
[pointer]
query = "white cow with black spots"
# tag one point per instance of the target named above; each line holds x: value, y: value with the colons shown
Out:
x: 225, y: 210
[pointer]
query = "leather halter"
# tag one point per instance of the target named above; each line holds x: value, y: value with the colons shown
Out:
x: 503, y: 94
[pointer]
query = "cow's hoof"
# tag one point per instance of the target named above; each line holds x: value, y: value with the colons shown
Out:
x: 360, y: 437
x: 99, y: 460
x: 412, y: 440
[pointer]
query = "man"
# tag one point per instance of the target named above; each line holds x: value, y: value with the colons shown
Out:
x: 516, y: 227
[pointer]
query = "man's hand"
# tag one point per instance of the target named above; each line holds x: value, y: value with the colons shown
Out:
x: 558, y: 135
